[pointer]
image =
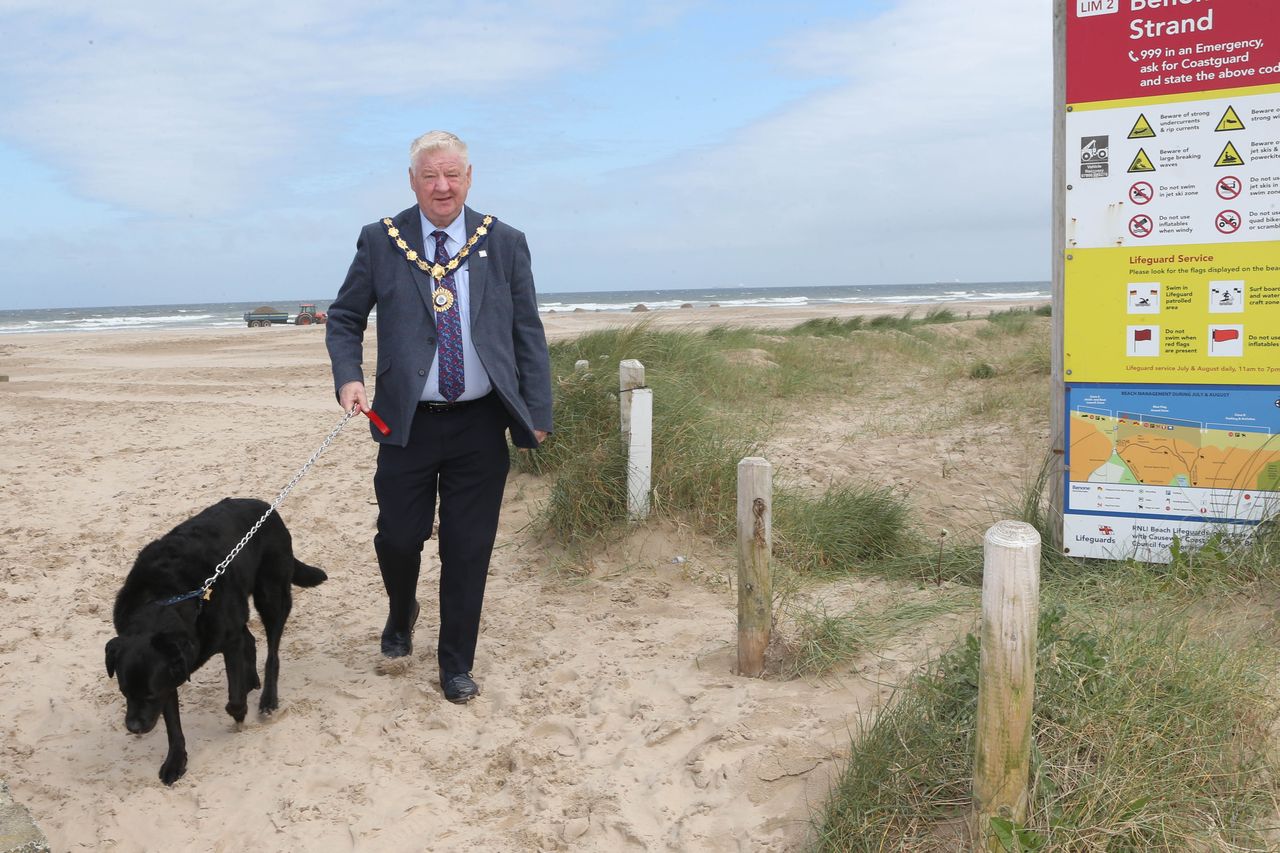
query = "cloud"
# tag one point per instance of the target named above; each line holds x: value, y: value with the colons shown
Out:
x: 926, y: 157
x: 944, y: 117
x: 245, y: 144
x: 165, y: 108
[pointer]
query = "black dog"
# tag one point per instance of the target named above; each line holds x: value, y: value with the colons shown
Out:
x: 161, y: 644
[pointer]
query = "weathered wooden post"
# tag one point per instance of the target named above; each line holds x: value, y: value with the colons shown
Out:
x: 1007, y: 678
x: 755, y: 547
x: 640, y: 454
x: 630, y: 377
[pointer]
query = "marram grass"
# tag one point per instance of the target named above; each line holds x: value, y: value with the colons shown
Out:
x: 849, y: 526
x: 1146, y: 737
x: 710, y: 411
x: 1150, y: 729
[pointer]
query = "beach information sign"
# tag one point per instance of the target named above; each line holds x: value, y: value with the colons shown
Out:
x: 1171, y: 273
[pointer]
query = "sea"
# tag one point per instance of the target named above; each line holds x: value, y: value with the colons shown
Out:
x: 203, y: 315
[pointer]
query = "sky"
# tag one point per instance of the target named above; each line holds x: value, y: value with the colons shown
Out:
x: 162, y: 153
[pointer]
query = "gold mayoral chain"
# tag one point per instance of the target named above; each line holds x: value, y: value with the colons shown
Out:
x: 441, y: 297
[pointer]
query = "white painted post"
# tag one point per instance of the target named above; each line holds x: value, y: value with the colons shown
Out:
x: 1007, y: 677
x: 755, y: 547
x: 630, y: 377
x: 640, y: 454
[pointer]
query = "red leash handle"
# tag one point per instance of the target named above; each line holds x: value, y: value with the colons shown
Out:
x: 378, y: 422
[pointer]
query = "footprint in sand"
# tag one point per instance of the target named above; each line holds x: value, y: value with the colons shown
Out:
x: 558, y: 736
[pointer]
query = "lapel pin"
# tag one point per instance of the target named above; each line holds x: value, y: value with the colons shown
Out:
x: 484, y: 253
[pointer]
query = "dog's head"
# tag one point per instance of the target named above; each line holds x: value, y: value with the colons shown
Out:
x: 149, y: 669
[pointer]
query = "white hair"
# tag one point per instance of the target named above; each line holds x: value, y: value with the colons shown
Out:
x: 434, y: 140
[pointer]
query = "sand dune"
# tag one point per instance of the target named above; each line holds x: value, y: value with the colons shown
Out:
x: 610, y: 717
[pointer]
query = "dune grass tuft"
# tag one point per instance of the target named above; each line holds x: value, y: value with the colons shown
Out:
x: 827, y: 327
x: 832, y: 327
x: 846, y: 527
x: 1014, y: 321
x: 1145, y: 738
x: 824, y: 641
x: 695, y: 451
x: 982, y: 370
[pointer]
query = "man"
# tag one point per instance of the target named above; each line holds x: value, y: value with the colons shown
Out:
x: 462, y: 357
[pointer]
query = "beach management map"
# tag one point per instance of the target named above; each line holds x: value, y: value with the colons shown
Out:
x: 1145, y: 464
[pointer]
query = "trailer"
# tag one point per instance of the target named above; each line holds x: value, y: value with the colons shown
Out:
x: 267, y: 315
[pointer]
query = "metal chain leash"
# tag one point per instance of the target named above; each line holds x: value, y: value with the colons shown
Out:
x: 206, y: 589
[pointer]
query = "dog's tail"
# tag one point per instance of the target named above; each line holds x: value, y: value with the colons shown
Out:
x: 304, y: 575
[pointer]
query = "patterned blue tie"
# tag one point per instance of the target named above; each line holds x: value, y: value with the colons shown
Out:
x: 449, y: 331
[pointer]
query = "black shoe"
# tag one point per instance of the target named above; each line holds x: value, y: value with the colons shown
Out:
x: 399, y: 644
x: 459, y: 687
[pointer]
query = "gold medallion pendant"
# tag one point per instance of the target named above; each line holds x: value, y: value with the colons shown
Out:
x: 442, y: 299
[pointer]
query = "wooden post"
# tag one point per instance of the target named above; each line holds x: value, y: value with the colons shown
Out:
x: 1007, y: 678
x: 640, y: 454
x: 755, y: 547
x: 581, y: 365
x: 630, y: 377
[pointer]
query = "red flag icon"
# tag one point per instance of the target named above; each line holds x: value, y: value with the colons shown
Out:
x: 1143, y: 334
x: 1220, y: 335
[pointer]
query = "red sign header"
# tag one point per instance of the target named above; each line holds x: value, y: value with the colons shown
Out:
x: 1120, y: 49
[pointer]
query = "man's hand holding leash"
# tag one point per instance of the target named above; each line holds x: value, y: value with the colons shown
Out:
x: 352, y: 394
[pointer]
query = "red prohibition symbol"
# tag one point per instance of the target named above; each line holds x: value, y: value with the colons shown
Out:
x: 1141, y: 193
x: 1228, y: 187
x: 1228, y: 222
x: 1140, y: 225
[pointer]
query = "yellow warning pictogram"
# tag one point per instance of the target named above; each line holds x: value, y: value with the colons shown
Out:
x: 1142, y: 129
x: 1230, y: 121
x: 1141, y: 163
x: 1229, y: 157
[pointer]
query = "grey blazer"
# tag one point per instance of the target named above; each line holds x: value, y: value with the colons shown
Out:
x: 505, y: 327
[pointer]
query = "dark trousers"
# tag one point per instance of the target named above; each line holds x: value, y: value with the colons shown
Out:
x: 461, y: 457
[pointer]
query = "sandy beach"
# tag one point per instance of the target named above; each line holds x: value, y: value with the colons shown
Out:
x: 610, y: 718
